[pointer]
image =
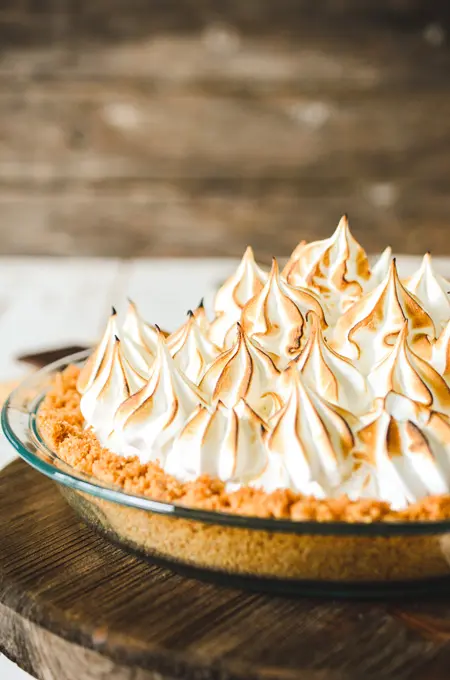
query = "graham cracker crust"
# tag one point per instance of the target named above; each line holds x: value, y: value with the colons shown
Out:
x: 61, y: 424
x: 231, y: 549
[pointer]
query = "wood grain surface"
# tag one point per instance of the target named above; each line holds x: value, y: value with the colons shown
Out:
x: 195, y: 127
x: 73, y: 606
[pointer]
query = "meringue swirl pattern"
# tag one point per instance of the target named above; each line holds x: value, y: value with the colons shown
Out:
x: 330, y: 379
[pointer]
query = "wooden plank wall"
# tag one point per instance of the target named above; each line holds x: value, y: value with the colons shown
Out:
x: 193, y: 127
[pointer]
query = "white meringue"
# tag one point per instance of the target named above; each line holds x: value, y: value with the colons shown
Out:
x: 139, y: 331
x: 147, y: 423
x: 337, y: 268
x: 225, y: 443
x: 332, y: 376
x: 99, y: 356
x: 440, y: 353
x: 244, y: 372
x: 191, y: 349
x: 399, y: 461
x: 404, y: 372
x: 111, y: 382
x: 379, y: 270
x: 244, y: 284
x: 432, y: 291
x: 338, y: 384
x: 275, y: 317
x: 367, y: 331
x: 313, y: 440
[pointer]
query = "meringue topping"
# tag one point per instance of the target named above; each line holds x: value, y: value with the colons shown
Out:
x: 380, y: 269
x: 312, y: 438
x: 226, y: 443
x: 405, y: 372
x: 114, y: 382
x: 244, y: 372
x: 440, y: 353
x: 366, y: 333
x: 191, y: 348
x: 432, y: 290
x: 139, y: 331
x: 146, y: 423
x: 336, y: 267
x: 275, y: 318
x: 329, y: 379
x: 99, y: 356
x: 399, y: 461
x: 246, y: 282
x: 332, y: 376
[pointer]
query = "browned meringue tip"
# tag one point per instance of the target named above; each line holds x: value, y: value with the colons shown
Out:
x: 275, y: 269
x: 249, y: 254
x: 113, y: 311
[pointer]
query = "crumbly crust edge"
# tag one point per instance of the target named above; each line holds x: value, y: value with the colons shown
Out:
x: 61, y: 425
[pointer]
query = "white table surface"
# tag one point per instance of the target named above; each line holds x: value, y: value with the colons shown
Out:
x: 48, y: 303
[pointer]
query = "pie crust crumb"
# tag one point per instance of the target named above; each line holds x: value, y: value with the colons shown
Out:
x: 61, y: 424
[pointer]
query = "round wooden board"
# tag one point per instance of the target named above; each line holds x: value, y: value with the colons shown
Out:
x: 74, y: 607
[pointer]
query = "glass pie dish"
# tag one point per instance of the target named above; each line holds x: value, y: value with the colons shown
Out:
x: 279, y: 555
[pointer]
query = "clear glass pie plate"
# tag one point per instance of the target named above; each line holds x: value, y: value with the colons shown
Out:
x: 284, y: 556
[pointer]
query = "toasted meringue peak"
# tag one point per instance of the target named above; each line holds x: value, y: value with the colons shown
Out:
x: 405, y: 372
x: 368, y: 330
x: 432, y: 291
x: 401, y: 461
x: 225, y: 443
x: 312, y: 438
x: 113, y: 383
x: 147, y: 422
x: 332, y: 376
x: 291, y: 272
x: 337, y: 267
x: 191, y: 349
x: 139, y: 331
x: 244, y: 372
x: 99, y: 356
x: 246, y: 282
x: 380, y: 269
x: 201, y: 318
x: 275, y: 317
x: 440, y: 353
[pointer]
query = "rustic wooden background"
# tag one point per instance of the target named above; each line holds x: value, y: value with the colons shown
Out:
x: 192, y: 127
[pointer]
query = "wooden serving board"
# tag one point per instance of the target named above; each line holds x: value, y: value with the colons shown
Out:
x: 74, y: 607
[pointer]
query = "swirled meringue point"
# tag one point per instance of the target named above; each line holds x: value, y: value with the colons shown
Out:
x: 440, y: 353
x: 401, y: 461
x: 244, y: 371
x: 114, y: 382
x: 275, y: 318
x: 291, y: 271
x: 380, y: 269
x: 139, y: 331
x: 337, y: 267
x: 245, y: 283
x: 224, y: 443
x: 432, y: 291
x: 191, y: 349
x: 99, y: 356
x: 201, y: 318
x: 313, y: 440
x: 332, y: 376
x: 404, y: 372
x: 366, y: 333
x: 146, y: 423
